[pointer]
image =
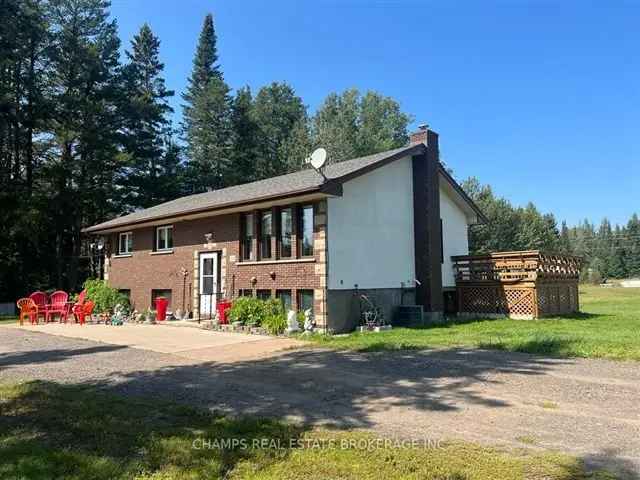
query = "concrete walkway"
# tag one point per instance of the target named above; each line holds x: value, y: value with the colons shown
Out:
x: 186, y: 342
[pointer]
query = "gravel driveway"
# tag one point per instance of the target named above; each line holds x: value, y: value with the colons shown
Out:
x: 589, y: 408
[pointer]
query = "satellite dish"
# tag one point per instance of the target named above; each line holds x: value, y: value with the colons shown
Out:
x: 318, y: 158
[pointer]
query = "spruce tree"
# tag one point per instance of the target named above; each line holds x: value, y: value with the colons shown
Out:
x: 246, y: 138
x: 207, y: 123
x: 145, y: 111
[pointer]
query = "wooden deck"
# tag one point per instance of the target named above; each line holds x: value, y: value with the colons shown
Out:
x: 525, y: 284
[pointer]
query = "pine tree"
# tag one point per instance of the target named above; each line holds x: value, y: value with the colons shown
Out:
x: 564, y: 242
x: 632, y: 256
x: 85, y: 77
x: 145, y: 111
x: 282, y: 121
x: 207, y: 123
x: 246, y: 138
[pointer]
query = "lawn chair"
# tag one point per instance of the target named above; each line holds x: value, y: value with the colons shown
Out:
x: 28, y: 308
x: 77, y: 307
x: 85, y: 310
x: 41, y: 300
x: 58, y: 305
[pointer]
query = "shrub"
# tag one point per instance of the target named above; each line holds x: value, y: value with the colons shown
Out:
x: 247, y: 310
x: 104, y: 296
x: 253, y: 311
x: 275, y: 324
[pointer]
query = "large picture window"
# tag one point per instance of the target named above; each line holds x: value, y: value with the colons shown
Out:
x: 266, y: 232
x: 286, y: 232
x: 306, y: 231
x: 125, y: 243
x: 164, y: 238
x: 247, y: 236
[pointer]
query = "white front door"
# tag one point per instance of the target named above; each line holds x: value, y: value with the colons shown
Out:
x: 208, y: 283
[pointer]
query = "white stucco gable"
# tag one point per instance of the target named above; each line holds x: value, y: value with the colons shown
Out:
x: 370, y: 230
x: 370, y: 235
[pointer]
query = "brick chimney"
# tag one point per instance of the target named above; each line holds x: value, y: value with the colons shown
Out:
x: 420, y: 136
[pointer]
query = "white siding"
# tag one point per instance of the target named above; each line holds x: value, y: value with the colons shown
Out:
x: 370, y: 230
x: 455, y: 236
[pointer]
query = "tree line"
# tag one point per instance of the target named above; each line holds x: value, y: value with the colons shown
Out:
x: 86, y: 133
x: 607, y: 251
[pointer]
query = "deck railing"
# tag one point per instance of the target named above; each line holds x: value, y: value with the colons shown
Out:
x: 507, y: 267
x: 526, y: 284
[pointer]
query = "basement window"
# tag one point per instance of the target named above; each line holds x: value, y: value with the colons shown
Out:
x: 285, y: 297
x: 305, y: 301
x: 263, y: 294
x: 164, y: 293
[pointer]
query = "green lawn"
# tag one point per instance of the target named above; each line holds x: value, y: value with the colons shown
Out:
x: 49, y: 431
x: 607, y: 327
x: 4, y: 320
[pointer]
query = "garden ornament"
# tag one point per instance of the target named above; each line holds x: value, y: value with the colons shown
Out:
x: 308, y: 321
x: 292, y: 322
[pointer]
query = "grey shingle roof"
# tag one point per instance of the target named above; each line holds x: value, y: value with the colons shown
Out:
x: 306, y: 180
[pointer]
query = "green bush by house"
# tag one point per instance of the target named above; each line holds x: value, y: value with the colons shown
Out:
x: 104, y: 297
x: 254, y: 312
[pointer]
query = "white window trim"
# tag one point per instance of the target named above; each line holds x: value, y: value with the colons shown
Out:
x: 127, y: 251
x: 158, y: 229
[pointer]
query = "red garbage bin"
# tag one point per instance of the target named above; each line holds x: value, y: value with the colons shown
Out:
x: 223, y: 307
x: 161, y: 308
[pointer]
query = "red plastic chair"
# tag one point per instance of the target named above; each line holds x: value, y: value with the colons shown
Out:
x: 86, y: 310
x: 28, y: 308
x: 59, y: 305
x: 41, y: 300
x: 77, y: 307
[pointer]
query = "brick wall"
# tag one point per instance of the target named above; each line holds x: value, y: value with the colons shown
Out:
x: 145, y: 270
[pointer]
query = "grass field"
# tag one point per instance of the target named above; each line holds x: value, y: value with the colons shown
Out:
x: 49, y: 431
x: 5, y: 320
x: 607, y: 327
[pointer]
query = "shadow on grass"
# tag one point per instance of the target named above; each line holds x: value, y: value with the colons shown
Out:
x: 70, y: 432
x: 54, y: 431
x: 540, y: 345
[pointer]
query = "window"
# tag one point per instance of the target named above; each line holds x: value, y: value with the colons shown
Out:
x: 285, y: 297
x: 155, y: 293
x: 263, y: 294
x: 125, y: 243
x: 306, y: 231
x: 305, y: 300
x: 286, y: 232
x: 245, y: 292
x: 126, y: 292
x: 247, y: 237
x: 266, y: 232
x: 164, y: 238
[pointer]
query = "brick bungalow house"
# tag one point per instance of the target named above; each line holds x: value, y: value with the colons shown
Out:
x: 385, y: 224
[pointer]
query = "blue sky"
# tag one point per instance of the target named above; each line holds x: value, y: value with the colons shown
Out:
x: 539, y: 99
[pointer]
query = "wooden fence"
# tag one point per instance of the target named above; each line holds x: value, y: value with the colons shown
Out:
x: 527, y: 284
